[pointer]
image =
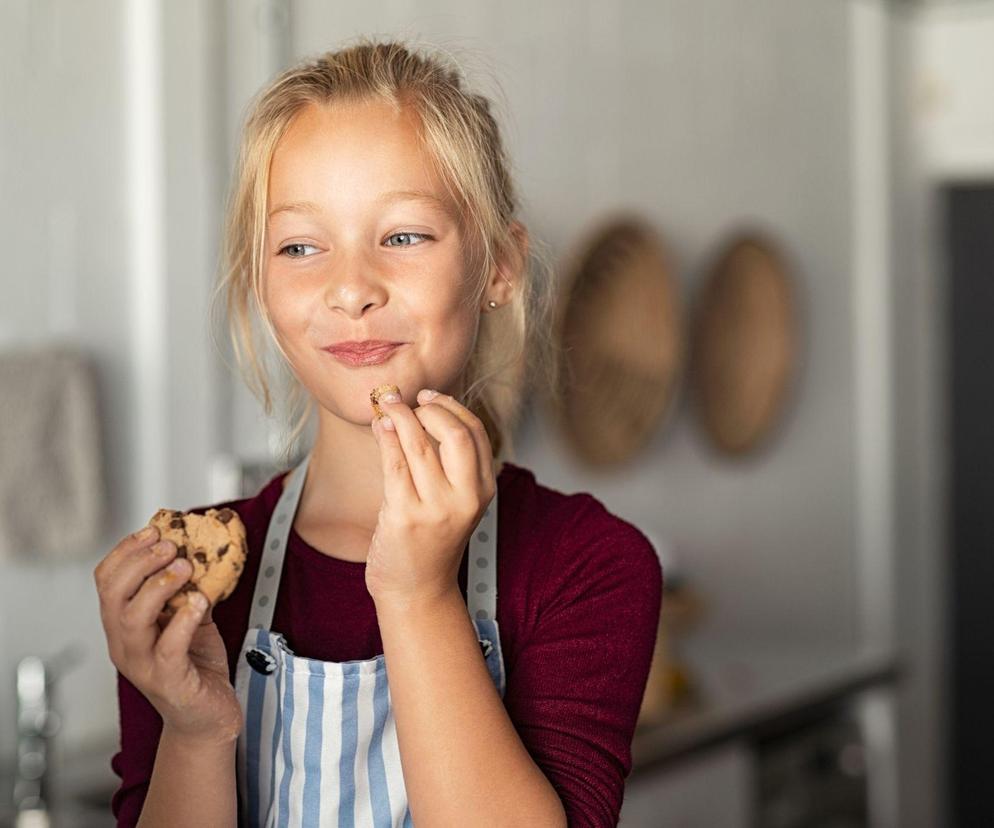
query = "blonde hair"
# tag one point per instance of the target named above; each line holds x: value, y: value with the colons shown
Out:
x: 515, y: 348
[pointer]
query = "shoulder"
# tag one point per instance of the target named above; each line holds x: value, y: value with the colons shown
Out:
x: 578, y: 534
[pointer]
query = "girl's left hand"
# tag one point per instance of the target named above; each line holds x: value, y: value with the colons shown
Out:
x: 432, y: 501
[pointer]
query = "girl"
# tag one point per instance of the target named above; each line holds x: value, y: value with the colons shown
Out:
x: 371, y: 230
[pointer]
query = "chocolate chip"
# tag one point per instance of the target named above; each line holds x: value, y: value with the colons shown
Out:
x: 222, y: 550
x: 177, y: 523
x: 225, y: 515
x: 181, y: 552
x: 200, y: 556
x: 189, y: 586
x: 176, y: 514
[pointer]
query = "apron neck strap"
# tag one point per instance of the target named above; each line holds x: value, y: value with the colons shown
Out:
x: 481, y: 569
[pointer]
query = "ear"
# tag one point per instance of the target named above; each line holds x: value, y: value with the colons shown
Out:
x: 511, y: 266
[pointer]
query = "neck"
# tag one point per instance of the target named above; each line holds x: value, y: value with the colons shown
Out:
x: 344, y: 477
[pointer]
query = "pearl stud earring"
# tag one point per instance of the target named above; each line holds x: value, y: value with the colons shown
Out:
x: 492, y: 304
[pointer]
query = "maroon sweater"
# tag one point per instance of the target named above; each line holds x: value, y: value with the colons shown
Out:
x: 578, y: 599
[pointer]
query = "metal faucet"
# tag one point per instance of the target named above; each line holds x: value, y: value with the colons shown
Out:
x: 37, y: 724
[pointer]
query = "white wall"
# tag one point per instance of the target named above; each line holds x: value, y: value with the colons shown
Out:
x: 64, y: 220
x: 109, y: 222
x: 954, y: 64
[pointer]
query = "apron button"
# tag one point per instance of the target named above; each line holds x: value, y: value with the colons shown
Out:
x: 261, y: 661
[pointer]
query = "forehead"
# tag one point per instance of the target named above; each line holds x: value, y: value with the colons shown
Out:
x: 349, y: 154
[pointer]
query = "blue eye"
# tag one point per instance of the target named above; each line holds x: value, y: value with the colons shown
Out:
x: 289, y: 249
x: 407, y: 236
x: 283, y: 250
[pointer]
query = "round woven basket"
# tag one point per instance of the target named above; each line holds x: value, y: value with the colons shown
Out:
x: 743, y: 344
x: 621, y: 331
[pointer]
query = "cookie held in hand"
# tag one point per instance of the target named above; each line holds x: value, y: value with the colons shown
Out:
x: 214, y: 543
x: 376, y: 393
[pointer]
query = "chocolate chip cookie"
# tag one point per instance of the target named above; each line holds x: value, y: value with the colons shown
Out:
x: 214, y: 543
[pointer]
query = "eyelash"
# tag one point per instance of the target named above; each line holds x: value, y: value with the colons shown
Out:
x: 282, y: 251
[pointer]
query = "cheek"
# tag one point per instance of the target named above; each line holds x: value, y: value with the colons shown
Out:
x: 450, y: 337
x: 284, y: 305
x: 446, y: 312
x: 288, y: 318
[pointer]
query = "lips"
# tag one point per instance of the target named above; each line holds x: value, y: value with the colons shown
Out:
x: 365, y: 346
x: 365, y: 354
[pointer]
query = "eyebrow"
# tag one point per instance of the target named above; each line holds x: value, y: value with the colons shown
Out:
x: 394, y: 195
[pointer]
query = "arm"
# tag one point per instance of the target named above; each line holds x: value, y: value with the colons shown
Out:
x: 577, y: 674
x: 172, y: 668
x: 161, y: 774
x: 593, y: 618
x: 192, y: 784
x: 459, y: 750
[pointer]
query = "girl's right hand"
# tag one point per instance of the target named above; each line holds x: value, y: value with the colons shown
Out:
x: 179, y: 663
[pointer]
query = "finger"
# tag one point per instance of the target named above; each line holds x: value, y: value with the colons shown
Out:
x: 398, y: 486
x: 165, y: 617
x: 124, y: 550
x: 458, y: 448
x: 139, y: 618
x: 173, y: 645
x: 407, y: 454
x: 422, y: 458
x: 122, y: 585
x: 472, y: 422
x: 207, y: 617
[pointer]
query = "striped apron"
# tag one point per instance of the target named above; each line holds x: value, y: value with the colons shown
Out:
x: 319, y: 745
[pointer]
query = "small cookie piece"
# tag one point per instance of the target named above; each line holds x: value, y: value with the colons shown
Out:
x: 376, y: 393
x: 214, y: 543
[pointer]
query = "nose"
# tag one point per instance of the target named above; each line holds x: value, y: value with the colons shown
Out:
x: 354, y: 285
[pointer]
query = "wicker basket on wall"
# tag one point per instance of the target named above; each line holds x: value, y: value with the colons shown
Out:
x: 621, y: 330
x: 744, y: 344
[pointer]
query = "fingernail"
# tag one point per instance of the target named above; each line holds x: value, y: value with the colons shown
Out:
x: 162, y: 548
x: 390, y: 397
x: 387, y: 423
x: 146, y: 533
x: 199, y: 600
x: 427, y: 394
x: 178, y: 566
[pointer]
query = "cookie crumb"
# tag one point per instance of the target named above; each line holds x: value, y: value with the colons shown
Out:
x: 376, y: 393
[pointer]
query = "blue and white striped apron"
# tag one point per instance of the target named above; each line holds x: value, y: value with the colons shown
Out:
x: 319, y: 745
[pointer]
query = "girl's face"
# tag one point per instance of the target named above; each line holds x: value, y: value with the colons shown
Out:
x: 362, y: 243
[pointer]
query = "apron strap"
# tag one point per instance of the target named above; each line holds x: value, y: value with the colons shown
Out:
x: 481, y: 569
x: 267, y: 582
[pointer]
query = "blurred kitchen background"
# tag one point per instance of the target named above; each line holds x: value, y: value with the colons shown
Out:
x: 824, y: 653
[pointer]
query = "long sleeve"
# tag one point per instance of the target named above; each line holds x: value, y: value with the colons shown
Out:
x: 576, y: 685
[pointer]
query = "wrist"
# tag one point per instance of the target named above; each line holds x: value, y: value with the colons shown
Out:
x: 416, y: 601
x: 198, y: 742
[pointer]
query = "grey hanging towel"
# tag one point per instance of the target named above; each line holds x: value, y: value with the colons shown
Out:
x: 52, y: 483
